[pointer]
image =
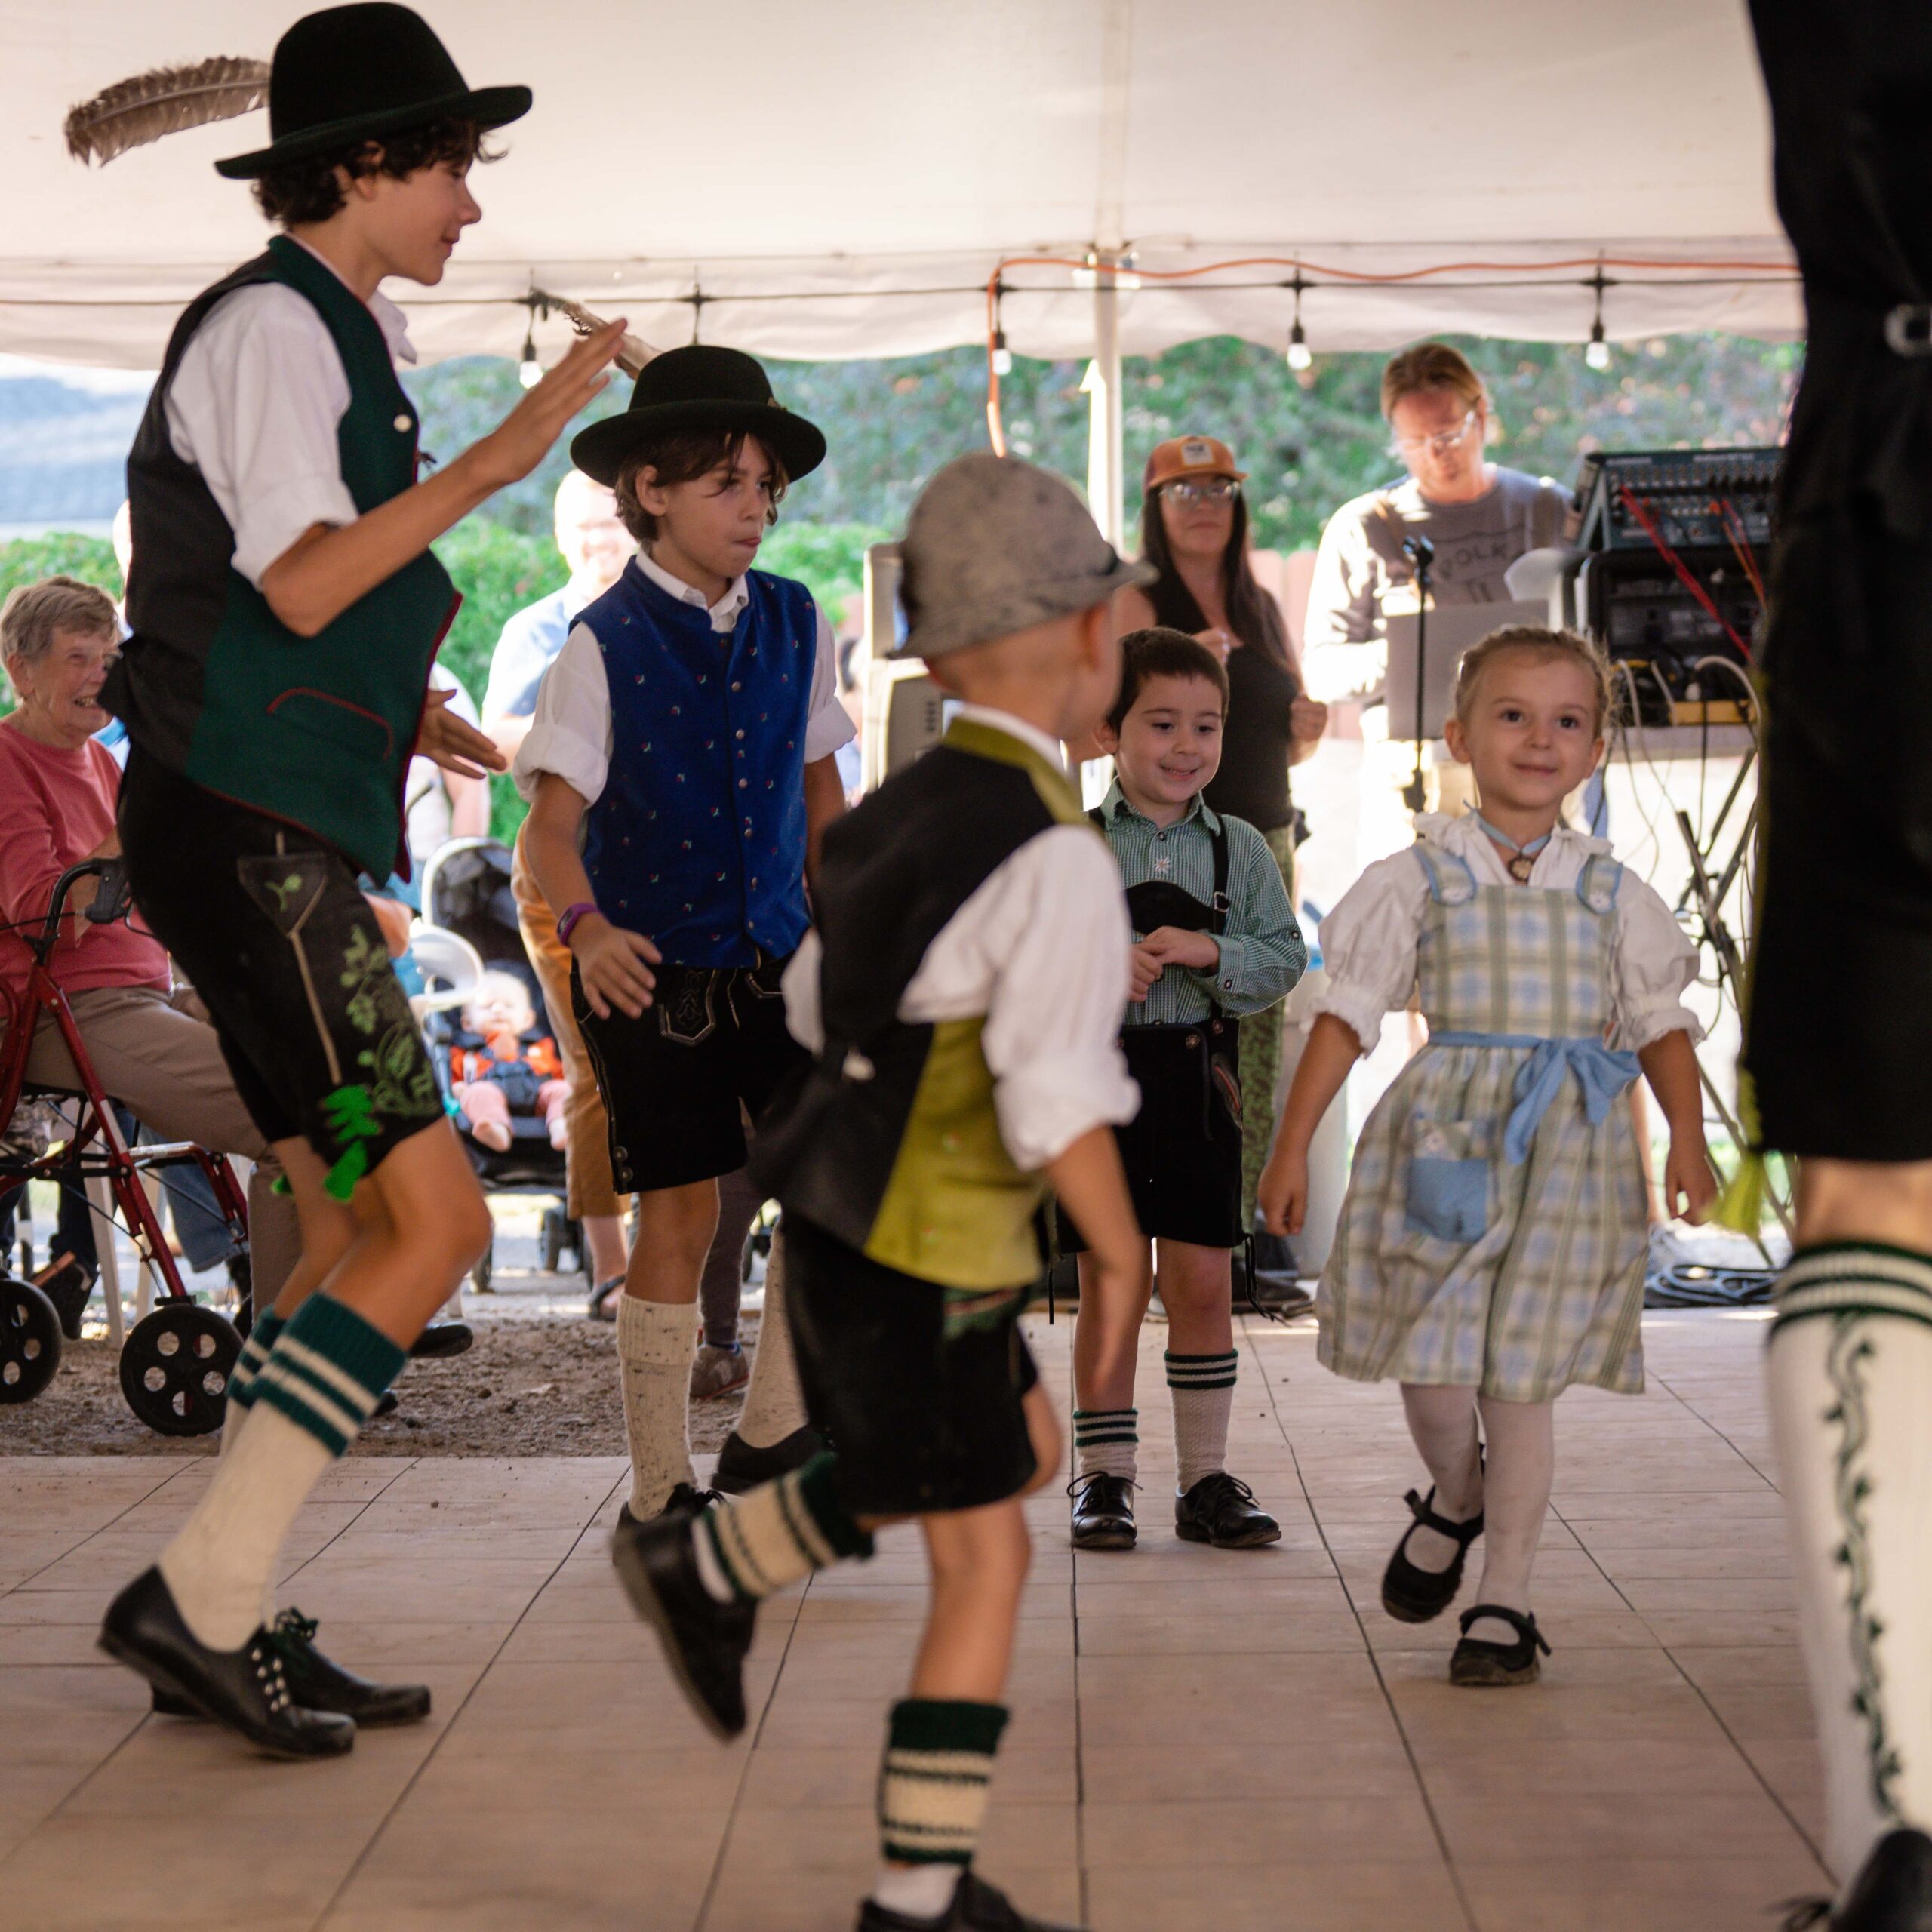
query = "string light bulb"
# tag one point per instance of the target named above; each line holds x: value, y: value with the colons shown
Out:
x: 1300, y: 356
x: 1002, y: 355
x: 1596, y: 351
x: 529, y: 371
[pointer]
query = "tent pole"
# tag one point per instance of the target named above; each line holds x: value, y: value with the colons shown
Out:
x: 1105, y: 484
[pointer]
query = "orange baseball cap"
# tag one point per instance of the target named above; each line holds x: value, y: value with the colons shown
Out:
x: 1190, y: 456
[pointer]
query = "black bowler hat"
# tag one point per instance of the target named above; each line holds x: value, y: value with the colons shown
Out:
x: 699, y: 388
x: 352, y: 74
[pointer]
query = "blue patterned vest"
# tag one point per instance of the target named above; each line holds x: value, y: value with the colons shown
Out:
x: 698, y: 839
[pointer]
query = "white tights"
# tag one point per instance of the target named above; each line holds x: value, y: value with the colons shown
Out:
x: 1514, y: 1497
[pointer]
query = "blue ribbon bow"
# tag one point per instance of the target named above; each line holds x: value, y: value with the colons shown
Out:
x: 1601, y: 1073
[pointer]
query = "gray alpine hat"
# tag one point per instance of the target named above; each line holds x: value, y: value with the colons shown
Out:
x: 995, y: 545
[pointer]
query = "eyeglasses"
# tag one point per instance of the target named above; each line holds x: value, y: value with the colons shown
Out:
x: 1441, y: 444
x: 1214, y: 490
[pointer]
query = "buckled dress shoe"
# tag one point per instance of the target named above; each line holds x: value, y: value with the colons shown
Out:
x: 440, y: 1340
x: 741, y: 1467
x: 318, y: 1683
x: 246, y: 1690
x: 1102, y: 1512
x: 1221, y: 1509
x: 977, y: 1906
x: 705, y: 1641
x: 1893, y: 1892
x: 1411, y: 1594
x: 1475, y: 1661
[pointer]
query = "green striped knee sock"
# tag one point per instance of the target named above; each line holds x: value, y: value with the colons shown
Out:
x: 1107, y: 1441
x: 324, y: 1374
x: 1202, y: 1390
x: 934, y: 1784
x: 776, y: 1534
x: 241, y: 1380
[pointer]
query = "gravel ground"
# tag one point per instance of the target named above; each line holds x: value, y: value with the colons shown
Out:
x: 541, y: 1380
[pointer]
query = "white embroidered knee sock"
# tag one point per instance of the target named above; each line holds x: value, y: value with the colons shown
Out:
x: 654, y: 1340
x: 1850, y: 1370
x: 774, y: 1403
x: 1201, y: 1389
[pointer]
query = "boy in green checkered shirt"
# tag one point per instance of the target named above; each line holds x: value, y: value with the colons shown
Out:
x: 1214, y: 938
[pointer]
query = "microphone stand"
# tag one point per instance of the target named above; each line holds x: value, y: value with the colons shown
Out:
x: 1421, y: 554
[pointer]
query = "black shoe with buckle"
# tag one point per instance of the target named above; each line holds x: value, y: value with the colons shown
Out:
x: 705, y: 1641
x: 741, y: 1467
x: 1893, y: 1892
x: 441, y: 1339
x: 1220, y: 1509
x: 684, y: 1500
x: 1102, y: 1512
x: 977, y: 1906
x: 1475, y: 1661
x: 246, y: 1690
x: 1411, y: 1594
x: 318, y: 1683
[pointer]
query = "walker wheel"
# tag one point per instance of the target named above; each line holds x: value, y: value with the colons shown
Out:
x: 29, y: 1340
x: 175, y: 1366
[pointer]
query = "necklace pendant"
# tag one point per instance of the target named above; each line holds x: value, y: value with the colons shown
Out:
x: 1521, y: 867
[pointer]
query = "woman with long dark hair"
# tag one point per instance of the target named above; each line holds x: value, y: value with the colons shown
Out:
x: 1193, y: 531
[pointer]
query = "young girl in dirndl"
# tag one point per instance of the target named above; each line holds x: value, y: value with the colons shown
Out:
x: 1491, y: 1246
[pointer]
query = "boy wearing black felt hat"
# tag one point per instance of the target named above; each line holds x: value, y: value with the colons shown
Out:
x: 681, y: 768
x: 285, y: 613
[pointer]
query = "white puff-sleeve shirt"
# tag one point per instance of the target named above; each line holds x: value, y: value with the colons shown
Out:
x: 1368, y: 942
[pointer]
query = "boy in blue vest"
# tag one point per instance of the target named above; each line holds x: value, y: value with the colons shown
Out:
x: 961, y: 995
x: 285, y: 612
x: 681, y: 768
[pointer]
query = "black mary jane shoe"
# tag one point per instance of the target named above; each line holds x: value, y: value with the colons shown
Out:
x: 440, y: 1340
x: 977, y: 1906
x: 1475, y: 1663
x: 1411, y: 1594
x: 685, y: 1500
x: 246, y: 1690
x: 1221, y: 1509
x: 1102, y: 1512
x: 741, y: 1467
x: 705, y: 1641
x: 318, y: 1683
x: 1893, y: 1892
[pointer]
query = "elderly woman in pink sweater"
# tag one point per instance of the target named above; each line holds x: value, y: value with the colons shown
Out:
x: 58, y: 794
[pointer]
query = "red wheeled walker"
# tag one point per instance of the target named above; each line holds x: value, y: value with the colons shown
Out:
x: 175, y: 1361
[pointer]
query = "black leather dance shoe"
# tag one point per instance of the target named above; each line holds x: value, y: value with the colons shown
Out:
x: 440, y: 1340
x: 318, y: 1683
x: 741, y: 1467
x: 684, y: 1500
x: 1893, y: 1892
x: 1474, y: 1662
x: 1221, y: 1509
x: 1102, y: 1512
x: 977, y: 1906
x: 1411, y: 1594
x: 705, y: 1641
x: 246, y: 1690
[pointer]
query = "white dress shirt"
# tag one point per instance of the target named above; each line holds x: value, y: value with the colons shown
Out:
x: 255, y: 405
x: 570, y: 733
x: 1368, y: 942
x: 1041, y: 949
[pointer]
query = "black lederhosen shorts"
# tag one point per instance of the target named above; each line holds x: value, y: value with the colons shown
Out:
x: 678, y: 1080
x: 270, y: 923
x: 1181, y: 1151
x: 920, y: 1424
x: 1838, y: 1035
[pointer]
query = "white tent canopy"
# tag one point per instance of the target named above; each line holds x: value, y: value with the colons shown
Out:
x: 842, y: 179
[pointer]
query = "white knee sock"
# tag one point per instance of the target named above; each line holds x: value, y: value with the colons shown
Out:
x: 654, y: 1342
x: 1849, y: 1370
x: 1442, y: 1421
x: 1515, y: 1503
x: 774, y: 1403
x: 1201, y: 1389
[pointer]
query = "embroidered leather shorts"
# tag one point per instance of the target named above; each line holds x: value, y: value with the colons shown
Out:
x: 680, y: 1081
x: 270, y: 923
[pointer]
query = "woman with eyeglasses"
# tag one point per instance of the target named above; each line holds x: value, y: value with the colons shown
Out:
x: 1479, y: 516
x: 1193, y: 531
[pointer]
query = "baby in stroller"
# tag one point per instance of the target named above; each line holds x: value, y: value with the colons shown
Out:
x: 502, y: 1065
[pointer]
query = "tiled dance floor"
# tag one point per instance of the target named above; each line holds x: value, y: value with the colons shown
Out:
x: 1201, y: 1739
